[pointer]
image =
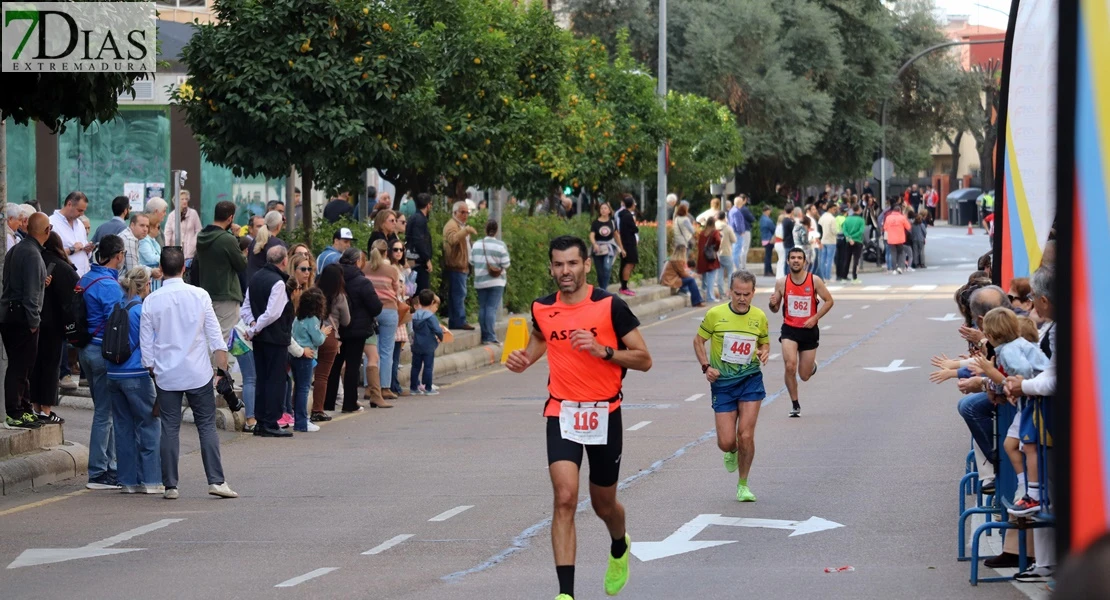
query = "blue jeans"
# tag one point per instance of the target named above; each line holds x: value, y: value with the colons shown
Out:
x: 691, y: 286
x: 102, y: 445
x: 737, y: 251
x: 422, y: 362
x: 979, y: 413
x: 137, y: 431
x: 302, y: 382
x: 889, y: 257
x: 456, y: 306
x: 387, y: 334
x: 489, y: 300
x: 604, y: 264
x: 709, y: 281
x: 768, y: 251
x: 246, y: 369
x: 202, y: 401
x: 828, y: 256
x: 727, y: 269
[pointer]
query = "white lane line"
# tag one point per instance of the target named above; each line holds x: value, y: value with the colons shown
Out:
x: 694, y: 397
x: 826, y: 328
x: 922, y: 288
x: 386, y: 545
x: 866, y: 306
x: 123, y: 537
x: 848, y: 316
x: 773, y: 356
x: 450, y: 513
x: 310, y: 575
x: 639, y: 425
x: 875, y: 288
x: 834, y: 288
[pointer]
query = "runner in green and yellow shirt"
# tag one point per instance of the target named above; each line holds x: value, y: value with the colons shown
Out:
x: 739, y: 346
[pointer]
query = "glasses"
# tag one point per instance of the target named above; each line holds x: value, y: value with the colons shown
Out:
x: 304, y: 269
x: 1014, y: 298
x: 398, y: 249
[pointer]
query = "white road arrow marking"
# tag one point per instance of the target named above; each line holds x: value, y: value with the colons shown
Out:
x: 947, y: 317
x: 46, y: 556
x: 893, y: 367
x: 681, y: 541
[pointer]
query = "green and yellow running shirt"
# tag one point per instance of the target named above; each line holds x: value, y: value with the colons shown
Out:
x: 734, y: 339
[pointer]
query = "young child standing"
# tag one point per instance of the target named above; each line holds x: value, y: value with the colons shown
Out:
x: 426, y: 336
x: 917, y: 238
x: 307, y: 333
x: 1016, y: 355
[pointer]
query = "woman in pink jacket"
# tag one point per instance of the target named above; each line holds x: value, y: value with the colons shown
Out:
x: 896, y: 226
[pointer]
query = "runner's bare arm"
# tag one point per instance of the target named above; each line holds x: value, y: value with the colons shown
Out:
x: 711, y: 374
x: 826, y: 300
x: 776, y: 296
x: 519, y: 360
x: 764, y: 353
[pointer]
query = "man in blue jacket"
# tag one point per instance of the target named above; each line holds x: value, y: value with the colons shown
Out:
x: 767, y: 239
x: 340, y: 241
x: 102, y: 294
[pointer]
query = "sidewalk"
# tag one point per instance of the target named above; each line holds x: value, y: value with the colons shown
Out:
x: 33, y: 458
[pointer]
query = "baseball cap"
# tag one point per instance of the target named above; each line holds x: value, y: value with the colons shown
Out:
x: 343, y: 233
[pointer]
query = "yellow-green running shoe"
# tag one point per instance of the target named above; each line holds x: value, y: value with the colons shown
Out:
x: 563, y: 597
x: 730, y: 462
x: 616, y: 576
x: 743, y: 494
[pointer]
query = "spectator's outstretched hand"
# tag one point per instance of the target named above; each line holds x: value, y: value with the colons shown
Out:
x: 942, y: 375
x: 971, y: 334
x: 943, y: 362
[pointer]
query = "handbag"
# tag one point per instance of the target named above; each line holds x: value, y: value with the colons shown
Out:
x: 404, y: 313
x: 710, y: 251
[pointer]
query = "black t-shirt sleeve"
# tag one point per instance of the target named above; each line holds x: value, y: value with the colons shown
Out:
x: 624, y: 320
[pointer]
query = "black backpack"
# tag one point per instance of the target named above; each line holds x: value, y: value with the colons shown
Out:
x: 116, y: 348
x: 77, y: 326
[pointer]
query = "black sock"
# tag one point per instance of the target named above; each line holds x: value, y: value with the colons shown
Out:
x: 624, y: 284
x: 566, y: 579
x: 618, y: 548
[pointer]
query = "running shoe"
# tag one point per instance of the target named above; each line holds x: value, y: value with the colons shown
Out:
x: 1025, y: 507
x: 18, y: 423
x: 796, y: 410
x: 1035, y: 574
x: 319, y: 417
x: 104, y: 481
x: 50, y: 419
x: 627, y: 292
x: 730, y: 462
x: 564, y: 597
x: 431, y: 392
x: 616, y: 576
x: 743, y: 494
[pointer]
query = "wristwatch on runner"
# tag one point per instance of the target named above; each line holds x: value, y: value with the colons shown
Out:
x: 705, y: 367
x: 608, y: 353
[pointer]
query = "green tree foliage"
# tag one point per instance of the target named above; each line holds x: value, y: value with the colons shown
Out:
x: 804, y: 78
x: 705, y: 143
x: 306, y: 83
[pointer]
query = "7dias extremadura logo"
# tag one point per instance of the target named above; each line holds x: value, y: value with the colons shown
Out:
x: 81, y: 37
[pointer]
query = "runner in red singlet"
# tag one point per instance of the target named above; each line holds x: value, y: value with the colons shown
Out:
x: 591, y: 339
x: 806, y: 301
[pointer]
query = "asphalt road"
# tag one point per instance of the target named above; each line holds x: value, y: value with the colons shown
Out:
x: 878, y: 453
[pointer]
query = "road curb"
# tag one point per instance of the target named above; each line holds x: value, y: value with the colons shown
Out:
x: 225, y: 419
x: 32, y: 471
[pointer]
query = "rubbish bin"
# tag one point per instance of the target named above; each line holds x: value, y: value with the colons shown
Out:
x: 954, y: 213
x: 969, y: 211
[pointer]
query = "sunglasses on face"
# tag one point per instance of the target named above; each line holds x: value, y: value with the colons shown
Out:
x: 398, y: 249
x: 1014, y: 298
x: 304, y: 269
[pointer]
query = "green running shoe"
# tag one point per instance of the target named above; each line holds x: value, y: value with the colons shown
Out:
x: 743, y: 494
x: 730, y: 462
x: 616, y: 576
x: 563, y: 597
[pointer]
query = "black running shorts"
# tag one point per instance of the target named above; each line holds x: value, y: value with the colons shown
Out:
x: 605, y: 461
x: 807, y: 339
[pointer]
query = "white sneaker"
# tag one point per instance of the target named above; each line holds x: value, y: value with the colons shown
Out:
x: 1035, y: 574
x: 171, y: 494
x: 312, y: 426
x: 152, y: 489
x: 222, y: 491
x: 69, y: 382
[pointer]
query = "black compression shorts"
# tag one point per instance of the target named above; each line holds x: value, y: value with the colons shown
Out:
x: 807, y: 339
x: 605, y: 461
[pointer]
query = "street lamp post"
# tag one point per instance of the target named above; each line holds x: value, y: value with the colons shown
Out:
x: 661, y: 182
x: 882, y: 117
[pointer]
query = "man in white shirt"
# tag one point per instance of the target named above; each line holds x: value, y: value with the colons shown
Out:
x: 177, y: 347
x: 829, y: 231
x: 190, y: 227
x: 75, y: 238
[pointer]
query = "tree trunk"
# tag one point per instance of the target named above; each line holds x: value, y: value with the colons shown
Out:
x: 954, y: 146
x: 307, y: 172
x: 986, y: 149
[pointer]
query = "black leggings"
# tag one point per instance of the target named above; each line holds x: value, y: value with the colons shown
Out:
x: 44, y: 375
x: 350, y: 354
x: 855, y: 252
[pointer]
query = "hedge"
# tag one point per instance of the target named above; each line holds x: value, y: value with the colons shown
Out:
x: 527, y: 238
